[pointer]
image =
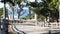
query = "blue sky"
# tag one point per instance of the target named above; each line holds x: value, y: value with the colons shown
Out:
x: 25, y: 9
x: 1, y: 4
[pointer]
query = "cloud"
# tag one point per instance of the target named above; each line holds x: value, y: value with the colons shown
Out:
x: 39, y: 0
x: 31, y: 0
x: 34, y: 0
x: 1, y: 5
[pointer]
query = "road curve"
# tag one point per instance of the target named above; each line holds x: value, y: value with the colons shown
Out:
x: 18, y: 31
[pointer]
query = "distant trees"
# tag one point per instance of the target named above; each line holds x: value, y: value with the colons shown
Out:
x: 1, y: 13
x: 52, y: 8
x: 46, y: 9
x: 6, y: 1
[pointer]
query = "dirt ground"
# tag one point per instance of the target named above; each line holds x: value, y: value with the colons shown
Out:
x: 10, y: 30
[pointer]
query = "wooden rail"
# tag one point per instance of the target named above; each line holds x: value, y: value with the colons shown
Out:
x: 41, y: 24
x: 51, y: 25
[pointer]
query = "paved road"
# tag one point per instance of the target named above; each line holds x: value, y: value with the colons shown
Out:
x: 32, y: 29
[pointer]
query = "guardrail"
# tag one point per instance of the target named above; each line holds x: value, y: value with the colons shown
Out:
x: 51, y: 25
x: 41, y: 24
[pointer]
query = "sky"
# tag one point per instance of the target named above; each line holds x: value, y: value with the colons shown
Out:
x: 25, y: 9
x: 1, y: 5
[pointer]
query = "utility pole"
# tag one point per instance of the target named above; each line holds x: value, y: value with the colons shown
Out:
x: 29, y: 13
x: 4, y: 11
x: 5, y: 22
x: 58, y: 20
x: 13, y: 12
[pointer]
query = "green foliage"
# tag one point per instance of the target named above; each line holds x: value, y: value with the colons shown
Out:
x: 42, y: 17
x: 46, y: 8
x: 1, y: 11
x: 33, y: 4
x: 30, y: 16
x: 23, y: 18
x: 18, y: 1
x: 6, y: 13
x: 37, y: 10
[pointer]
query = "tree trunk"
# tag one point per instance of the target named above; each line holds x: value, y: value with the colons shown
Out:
x: 4, y: 11
x: 18, y: 13
x: 29, y: 14
x: 36, y: 19
x: 19, y: 10
x: 0, y: 22
x: 35, y: 16
x: 35, y: 0
x: 13, y: 13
